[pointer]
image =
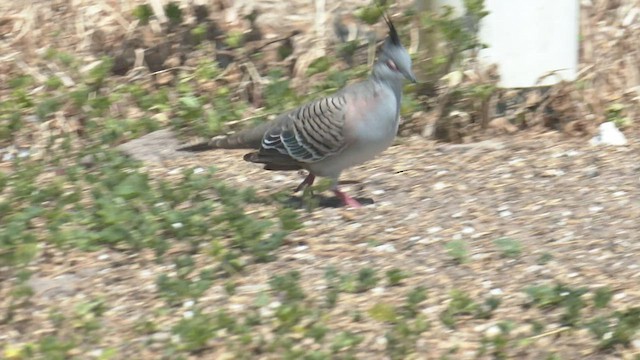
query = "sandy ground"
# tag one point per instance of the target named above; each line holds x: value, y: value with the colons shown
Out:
x: 556, y: 196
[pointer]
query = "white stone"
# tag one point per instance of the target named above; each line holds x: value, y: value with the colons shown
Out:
x: 493, y: 331
x: 434, y: 229
x: 609, y: 135
x: 595, y: 208
x: 496, y: 291
x: 388, y: 248
x: 619, y: 296
x: 439, y: 186
x: 378, y: 290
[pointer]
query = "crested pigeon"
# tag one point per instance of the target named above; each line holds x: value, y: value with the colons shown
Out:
x: 331, y: 134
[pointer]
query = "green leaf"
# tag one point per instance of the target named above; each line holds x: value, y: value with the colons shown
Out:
x: 143, y: 13
x: 508, y: 247
x: 189, y: 101
x: 289, y: 219
x: 173, y: 12
x: 319, y: 65
x: 602, y: 297
x: 457, y: 249
x: 370, y: 14
x: 383, y: 312
x: 132, y: 186
x: 395, y: 276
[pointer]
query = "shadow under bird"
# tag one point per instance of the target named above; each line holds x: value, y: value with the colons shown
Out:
x: 331, y: 134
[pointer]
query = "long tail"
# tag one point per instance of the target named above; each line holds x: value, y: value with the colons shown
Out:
x: 245, y: 139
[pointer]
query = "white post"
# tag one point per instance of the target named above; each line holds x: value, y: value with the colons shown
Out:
x: 528, y: 39
x: 531, y: 38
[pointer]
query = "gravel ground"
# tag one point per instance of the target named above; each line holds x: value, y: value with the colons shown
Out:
x: 556, y: 196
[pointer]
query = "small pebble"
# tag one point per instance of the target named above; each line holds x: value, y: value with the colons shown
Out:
x: 388, y: 248
x: 377, y: 290
x: 266, y: 312
x: 493, y: 331
x: 160, y: 336
x: 275, y: 304
x: 95, y: 353
x: 434, y: 229
x: 552, y: 173
x: 534, y: 268
x: 480, y: 256
x: 412, y: 216
x: 595, y: 208
x: 439, y: 186
x: 619, y: 296
x: 237, y: 307
x: 496, y: 291
x: 381, y: 342
x: 591, y: 172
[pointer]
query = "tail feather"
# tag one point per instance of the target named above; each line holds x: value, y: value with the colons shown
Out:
x: 245, y: 139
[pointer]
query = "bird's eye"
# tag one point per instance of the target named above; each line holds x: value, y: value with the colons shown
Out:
x: 392, y: 65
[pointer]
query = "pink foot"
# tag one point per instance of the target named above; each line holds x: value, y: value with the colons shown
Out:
x: 346, y: 199
x: 308, y: 181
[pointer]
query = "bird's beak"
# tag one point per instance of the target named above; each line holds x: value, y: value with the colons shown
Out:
x: 410, y: 76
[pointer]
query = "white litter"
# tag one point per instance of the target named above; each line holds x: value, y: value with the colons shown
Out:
x: 609, y: 135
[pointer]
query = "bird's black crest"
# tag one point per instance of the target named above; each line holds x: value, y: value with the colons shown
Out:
x: 393, y: 34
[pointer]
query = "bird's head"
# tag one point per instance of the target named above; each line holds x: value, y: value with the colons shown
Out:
x: 394, y: 60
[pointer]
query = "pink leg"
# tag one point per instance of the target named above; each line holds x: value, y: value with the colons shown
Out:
x: 346, y: 199
x: 308, y: 181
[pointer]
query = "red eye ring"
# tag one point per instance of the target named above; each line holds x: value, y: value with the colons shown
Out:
x: 392, y: 65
